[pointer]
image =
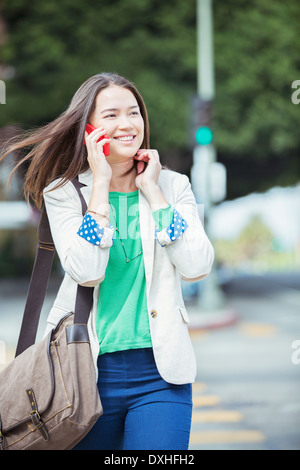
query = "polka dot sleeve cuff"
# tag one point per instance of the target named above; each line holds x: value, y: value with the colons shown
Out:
x: 173, y: 231
x: 95, y: 234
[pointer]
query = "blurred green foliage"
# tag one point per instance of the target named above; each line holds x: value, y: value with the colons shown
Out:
x: 55, y: 46
x: 257, y: 59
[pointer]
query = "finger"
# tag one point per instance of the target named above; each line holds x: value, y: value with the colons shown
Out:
x: 92, y: 144
x: 140, y: 167
x: 142, y: 156
x: 151, y: 154
x: 103, y: 142
x: 102, y: 147
x: 95, y: 134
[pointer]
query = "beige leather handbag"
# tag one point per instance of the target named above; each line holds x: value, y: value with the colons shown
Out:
x: 48, y: 394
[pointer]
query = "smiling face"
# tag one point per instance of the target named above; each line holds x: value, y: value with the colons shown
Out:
x: 118, y: 112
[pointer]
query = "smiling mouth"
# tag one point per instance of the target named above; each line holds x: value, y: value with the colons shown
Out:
x: 125, y: 138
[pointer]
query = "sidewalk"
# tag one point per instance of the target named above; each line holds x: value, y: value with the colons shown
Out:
x: 208, y: 320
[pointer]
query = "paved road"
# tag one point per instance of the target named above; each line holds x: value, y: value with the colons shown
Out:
x: 247, y: 394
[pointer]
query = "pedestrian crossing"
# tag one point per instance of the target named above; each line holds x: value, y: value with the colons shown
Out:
x: 214, y: 426
x: 217, y: 416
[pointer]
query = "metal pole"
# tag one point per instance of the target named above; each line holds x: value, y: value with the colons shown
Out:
x: 211, y: 298
x: 205, y: 56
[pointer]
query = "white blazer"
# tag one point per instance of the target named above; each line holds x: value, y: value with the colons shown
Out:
x: 190, y: 257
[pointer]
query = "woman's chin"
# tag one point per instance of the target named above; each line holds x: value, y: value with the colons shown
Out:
x: 128, y: 153
x: 121, y: 157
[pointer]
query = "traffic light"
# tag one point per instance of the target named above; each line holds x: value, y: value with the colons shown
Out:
x: 202, y: 121
x: 204, y: 135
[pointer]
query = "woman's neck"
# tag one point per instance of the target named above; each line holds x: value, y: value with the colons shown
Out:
x: 123, y: 184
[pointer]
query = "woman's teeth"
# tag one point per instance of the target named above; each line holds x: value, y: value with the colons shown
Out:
x: 125, y: 139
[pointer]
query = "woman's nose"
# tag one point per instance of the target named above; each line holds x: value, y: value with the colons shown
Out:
x: 124, y: 122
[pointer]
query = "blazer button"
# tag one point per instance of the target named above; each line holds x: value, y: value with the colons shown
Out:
x: 154, y: 314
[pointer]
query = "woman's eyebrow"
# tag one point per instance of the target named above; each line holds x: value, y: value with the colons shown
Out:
x: 117, y: 109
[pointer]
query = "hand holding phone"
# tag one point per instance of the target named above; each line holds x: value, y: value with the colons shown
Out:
x: 89, y: 128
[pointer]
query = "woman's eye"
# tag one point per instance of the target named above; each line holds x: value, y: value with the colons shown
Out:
x: 134, y: 113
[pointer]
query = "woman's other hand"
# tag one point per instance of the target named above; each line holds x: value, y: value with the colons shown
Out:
x: 147, y: 180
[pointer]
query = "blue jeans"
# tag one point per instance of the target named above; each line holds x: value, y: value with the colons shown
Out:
x: 141, y: 410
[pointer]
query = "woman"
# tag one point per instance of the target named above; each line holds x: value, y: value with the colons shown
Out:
x: 140, y: 235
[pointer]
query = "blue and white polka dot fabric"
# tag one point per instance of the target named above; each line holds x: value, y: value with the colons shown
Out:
x: 171, y: 233
x: 91, y: 231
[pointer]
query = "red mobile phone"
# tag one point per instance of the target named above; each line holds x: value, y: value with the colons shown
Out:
x: 89, y: 128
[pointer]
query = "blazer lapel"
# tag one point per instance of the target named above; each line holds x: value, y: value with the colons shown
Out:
x: 86, y: 180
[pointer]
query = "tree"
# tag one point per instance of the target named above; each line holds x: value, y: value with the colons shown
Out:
x: 257, y: 59
x: 55, y: 47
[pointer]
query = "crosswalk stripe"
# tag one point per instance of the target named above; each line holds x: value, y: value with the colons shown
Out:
x: 216, y: 416
x: 198, y: 387
x: 222, y: 437
x: 205, y: 400
x: 213, y: 436
x: 258, y: 329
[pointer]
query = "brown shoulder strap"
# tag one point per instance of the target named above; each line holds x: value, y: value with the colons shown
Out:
x: 39, y: 282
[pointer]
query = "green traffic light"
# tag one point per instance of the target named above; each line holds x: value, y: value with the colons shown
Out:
x: 204, y: 136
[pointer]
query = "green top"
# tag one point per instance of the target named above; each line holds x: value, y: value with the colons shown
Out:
x: 122, y: 318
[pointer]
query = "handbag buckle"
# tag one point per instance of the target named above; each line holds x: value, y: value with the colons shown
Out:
x: 35, y: 415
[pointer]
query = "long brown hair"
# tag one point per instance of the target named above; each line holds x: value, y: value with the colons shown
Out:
x: 57, y: 149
